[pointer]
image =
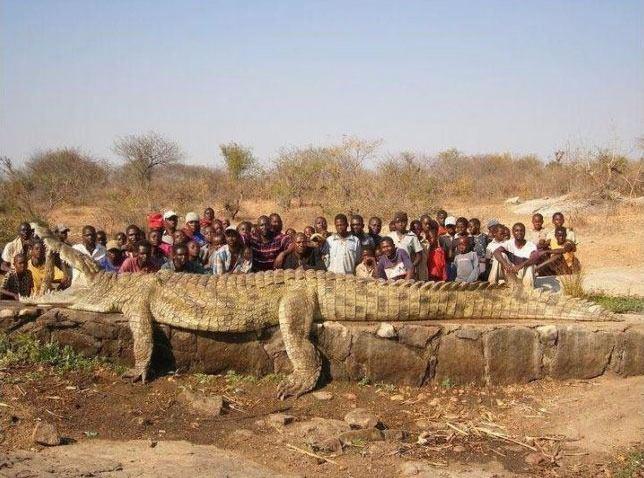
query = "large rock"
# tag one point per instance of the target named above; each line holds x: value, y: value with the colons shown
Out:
x: 628, y: 357
x: 46, y: 434
x: 460, y: 360
x: 512, y: 355
x: 581, y: 353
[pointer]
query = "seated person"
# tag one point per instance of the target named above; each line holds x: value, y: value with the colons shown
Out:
x: 38, y: 268
x: 561, y: 254
x: 466, y: 261
x: 302, y: 255
x: 394, y: 262
x: 18, y: 282
x: 514, y: 259
x: 113, y: 257
x: 141, y: 261
x: 180, y: 262
x: 367, y: 269
x: 558, y: 221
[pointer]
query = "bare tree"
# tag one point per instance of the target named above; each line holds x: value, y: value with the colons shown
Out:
x: 146, y: 153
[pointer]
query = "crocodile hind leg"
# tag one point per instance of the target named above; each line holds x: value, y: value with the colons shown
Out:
x: 140, y: 322
x: 296, y: 320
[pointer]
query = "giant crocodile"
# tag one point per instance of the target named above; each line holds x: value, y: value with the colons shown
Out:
x: 294, y: 299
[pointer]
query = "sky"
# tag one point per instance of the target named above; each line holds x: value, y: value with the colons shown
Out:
x: 423, y: 76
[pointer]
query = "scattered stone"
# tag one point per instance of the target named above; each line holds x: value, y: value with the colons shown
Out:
x: 209, y: 405
x: 458, y: 449
x: 46, y: 434
x: 321, y: 433
x: 397, y: 398
x: 331, y: 444
x: 468, y: 333
x: 361, y: 418
x: 350, y: 396
x: 260, y: 423
x: 422, y: 423
x: 152, y: 443
x: 386, y: 331
x: 424, y: 438
x: 421, y: 396
x: 535, y: 458
x: 323, y: 395
x: 370, y: 434
x: 280, y: 419
x: 395, y: 435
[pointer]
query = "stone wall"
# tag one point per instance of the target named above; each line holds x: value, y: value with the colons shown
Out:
x: 402, y: 353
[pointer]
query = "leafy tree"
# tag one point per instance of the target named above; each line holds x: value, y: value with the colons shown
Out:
x: 239, y: 160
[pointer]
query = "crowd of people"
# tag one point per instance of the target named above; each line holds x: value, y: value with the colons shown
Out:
x: 444, y: 248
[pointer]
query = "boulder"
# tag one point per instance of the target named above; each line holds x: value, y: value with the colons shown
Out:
x: 211, y: 405
x: 581, y: 353
x: 46, y: 434
x: 460, y: 360
x: 360, y: 418
x: 417, y: 335
x: 512, y: 355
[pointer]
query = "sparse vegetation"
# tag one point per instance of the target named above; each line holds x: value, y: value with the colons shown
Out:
x: 632, y: 467
x: 620, y: 304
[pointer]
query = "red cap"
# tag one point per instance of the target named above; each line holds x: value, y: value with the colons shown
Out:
x: 155, y: 220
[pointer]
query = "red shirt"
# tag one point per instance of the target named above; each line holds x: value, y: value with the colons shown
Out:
x: 436, y: 265
x: 131, y: 265
x: 441, y: 230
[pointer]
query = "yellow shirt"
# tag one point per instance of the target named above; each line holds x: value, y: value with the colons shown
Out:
x: 38, y: 273
x: 569, y: 257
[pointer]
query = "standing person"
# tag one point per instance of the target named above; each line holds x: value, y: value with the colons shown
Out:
x: 90, y: 248
x: 244, y: 229
x: 192, y: 229
x: 357, y: 229
x: 206, y: 254
x: 113, y: 259
x: 416, y: 228
x: 170, y: 221
x: 538, y: 234
x: 229, y: 258
x: 133, y: 235
x: 101, y: 237
x: 368, y: 268
x: 479, y: 243
x: 179, y: 238
x: 159, y: 251
x: 394, y: 262
x: 20, y: 245
x: 208, y: 217
x: 38, y: 268
x: 375, y: 226
x: 18, y: 282
x: 441, y: 216
x: 142, y: 260
x: 180, y: 262
x: 558, y: 221
x: 466, y: 261
x: 436, y: 260
x: 514, y: 259
x: 303, y: 256
x: 426, y: 223
x: 321, y: 226
x: 308, y: 232
x: 193, y: 251
x: 446, y: 241
x: 266, y: 246
x: 344, y: 249
x: 407, y: 240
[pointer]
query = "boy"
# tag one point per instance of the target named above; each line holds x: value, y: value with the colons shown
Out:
x: 562, y: 255
x: 479, y: 242
x: 466, y: 262
x: 538, y: 233
x: 446, y: 241
x: 38, y: 269
x: 113, y: 257
x: 436, y: 261
x: 514, y: 259
x: 558, y: 221
x: 441, y: 216
x: 394, y: 262
x: 407, y: 240
x: 18, y: 282
x: 367, y: 268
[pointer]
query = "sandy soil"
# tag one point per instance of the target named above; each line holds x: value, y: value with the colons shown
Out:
x: 578, y: 428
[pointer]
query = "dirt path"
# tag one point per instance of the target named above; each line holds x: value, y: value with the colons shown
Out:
x: 616, y: 280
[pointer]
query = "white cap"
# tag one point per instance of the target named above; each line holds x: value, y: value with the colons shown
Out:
x: 450, y: 221
x: 192, y: 216
x: 169, y: 214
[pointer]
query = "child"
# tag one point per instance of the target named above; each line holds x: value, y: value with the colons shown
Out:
x: 538, y: 233
x: 247, y: 264
x: 466, y: 262
x: 18, y: 282
x: 479, y: 242
x: 562, y: 256
x: 558, y: 221
x: 113, y: 259
x: 436, y: 263
x: 367, y: 268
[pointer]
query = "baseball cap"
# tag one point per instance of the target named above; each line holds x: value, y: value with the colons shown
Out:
x: 492, y: 222
x: 192, y: 216
x: 61, y: 228
x: 112, y: 245
x: 450, y: 221
x: 169, y: 214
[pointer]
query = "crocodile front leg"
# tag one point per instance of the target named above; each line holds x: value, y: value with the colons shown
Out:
x: 140, y: 322
x: 296, y: 320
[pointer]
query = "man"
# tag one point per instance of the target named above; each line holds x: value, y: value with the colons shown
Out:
x: 142, y: 260
x: 158, y: 250
x: 179, y: 238
x: 170, y: 221
x: 38, y: 269
x: 18, y: 282
x: 514, y: 259
x: 19, y: 245
x: 89, y: 247
x: 407, y: 240
x: 180, y: 263
x: 343, y: 249
x: 133, y: 234
x: 266, y: 246
x: 394, y: 262
x: 357, y: 229
x: 208, y: 217
x: 303, y: 256
x: 192, y: 229
x: 229, y: 258
x: 441, y: 216
x: 113, y: 257
x: 375, y: 226
x: 321, y: 227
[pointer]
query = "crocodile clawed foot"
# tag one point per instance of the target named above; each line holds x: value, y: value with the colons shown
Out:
x: 297, y: 384
x: 135, y: 374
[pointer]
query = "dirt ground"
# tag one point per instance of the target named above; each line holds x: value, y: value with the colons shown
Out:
x: 545, y: 428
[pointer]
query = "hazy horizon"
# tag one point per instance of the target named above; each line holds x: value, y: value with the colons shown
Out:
x: 422, y: 76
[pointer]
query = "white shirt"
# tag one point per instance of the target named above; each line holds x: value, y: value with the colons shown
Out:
x: 11, y: 250
x: 344, y: 253
x: 409, y: 242
x: 97, y: 254
x: 491, y: 247
x: 523, y: 252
